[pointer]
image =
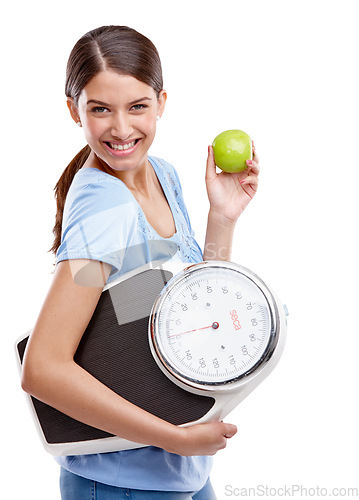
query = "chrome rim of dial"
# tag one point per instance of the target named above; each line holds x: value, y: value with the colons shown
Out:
x: 214, y: 324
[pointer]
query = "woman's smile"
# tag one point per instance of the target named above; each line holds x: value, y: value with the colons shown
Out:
x: 120, y: 149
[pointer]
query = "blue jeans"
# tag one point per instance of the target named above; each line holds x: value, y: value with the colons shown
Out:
x: 75, y: 487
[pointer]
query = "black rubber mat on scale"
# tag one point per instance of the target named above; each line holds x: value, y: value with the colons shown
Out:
x: 118, y: 354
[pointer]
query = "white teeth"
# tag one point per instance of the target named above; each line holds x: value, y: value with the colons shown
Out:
x: 122, y: 147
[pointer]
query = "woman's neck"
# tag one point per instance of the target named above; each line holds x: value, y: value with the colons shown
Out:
x: 139, y: 181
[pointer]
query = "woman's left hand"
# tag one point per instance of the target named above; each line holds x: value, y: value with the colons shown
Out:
x: 230, y: 193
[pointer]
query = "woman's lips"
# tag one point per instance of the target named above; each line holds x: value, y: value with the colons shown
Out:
x: 119, y: 149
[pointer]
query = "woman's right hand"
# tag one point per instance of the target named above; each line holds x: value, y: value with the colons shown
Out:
x: 202, y: 439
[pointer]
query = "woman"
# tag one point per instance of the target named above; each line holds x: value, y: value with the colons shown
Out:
x: 111, y: 199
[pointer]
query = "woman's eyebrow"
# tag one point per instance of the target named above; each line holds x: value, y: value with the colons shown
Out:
x: 142, y: 99
x: 101, y: 103
x: 95, y: 101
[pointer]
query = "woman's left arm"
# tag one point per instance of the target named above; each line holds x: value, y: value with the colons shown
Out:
x: 229, y: 194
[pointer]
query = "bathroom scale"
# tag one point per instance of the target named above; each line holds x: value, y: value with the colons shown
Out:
x: 186, y: 344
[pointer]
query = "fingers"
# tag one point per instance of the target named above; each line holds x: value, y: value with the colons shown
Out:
x: 204, y: 439
x: 250, y: 180
x: 253, y: 165
x: 252, y: 172
x: 211, y: 165
x: 255, y: 161
x: 229, y: 430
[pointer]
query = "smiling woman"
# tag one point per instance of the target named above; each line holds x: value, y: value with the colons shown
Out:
x: 113, y: 201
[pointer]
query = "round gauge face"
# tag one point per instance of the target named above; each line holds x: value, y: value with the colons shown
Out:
x: 213, y: 324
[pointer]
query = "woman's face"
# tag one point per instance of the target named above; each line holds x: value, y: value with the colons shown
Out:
x: 118, y: 114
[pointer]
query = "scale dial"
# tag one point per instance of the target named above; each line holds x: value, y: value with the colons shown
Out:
x: 213, y: 324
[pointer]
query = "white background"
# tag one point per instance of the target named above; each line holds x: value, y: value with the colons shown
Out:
x: 286, y: 73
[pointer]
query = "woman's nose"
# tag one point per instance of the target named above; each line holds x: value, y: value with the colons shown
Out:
x: 121, y: 126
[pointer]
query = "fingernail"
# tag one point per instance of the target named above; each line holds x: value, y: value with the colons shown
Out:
x: 249, y: 162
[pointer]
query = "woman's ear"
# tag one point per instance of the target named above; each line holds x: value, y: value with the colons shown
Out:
x: 73, y: 111
x: 161, y: 102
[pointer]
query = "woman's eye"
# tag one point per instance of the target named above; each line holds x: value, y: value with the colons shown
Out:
x: 99, y: 109
x: 138, y: 107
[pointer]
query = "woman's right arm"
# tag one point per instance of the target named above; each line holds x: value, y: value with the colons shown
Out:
x: 51, y: 375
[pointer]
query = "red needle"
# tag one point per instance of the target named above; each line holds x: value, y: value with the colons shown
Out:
x: 214, y: 325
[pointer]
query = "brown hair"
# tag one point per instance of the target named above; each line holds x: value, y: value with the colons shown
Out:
x: 118, y: 48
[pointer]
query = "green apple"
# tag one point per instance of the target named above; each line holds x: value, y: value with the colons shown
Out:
x: 231, y: 150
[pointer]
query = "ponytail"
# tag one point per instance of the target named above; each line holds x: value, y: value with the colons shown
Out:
x: 61, y: 189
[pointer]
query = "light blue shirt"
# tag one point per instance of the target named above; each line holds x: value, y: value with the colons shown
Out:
x: 103, y: 221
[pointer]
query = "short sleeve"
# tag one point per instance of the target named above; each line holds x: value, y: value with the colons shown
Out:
x: 99, y: 223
